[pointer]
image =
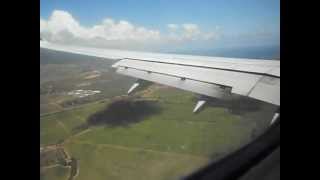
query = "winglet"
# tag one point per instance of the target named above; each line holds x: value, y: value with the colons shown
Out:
x: 133, y: 87
x: 200, y: 103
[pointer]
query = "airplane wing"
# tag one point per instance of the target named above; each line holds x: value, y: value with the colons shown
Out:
x: 209, y: 76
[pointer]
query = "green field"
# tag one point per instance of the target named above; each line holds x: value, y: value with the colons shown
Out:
x: 56, y: 127
x: 55, y: 173
x: 168, y: 144
x: 102, y: 161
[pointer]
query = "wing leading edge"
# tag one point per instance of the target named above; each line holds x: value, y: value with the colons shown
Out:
x: 210, y: 76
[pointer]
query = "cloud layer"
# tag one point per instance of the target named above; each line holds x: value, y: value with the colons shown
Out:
x: 61, y: 27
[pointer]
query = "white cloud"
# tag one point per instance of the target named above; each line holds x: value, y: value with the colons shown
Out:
x: 173, y: 27
x: 63, y: 28
x: 191, y: 31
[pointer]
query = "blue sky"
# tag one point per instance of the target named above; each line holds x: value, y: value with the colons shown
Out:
x: 235, y: 23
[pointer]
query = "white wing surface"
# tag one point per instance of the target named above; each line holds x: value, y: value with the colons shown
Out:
x: 209, y: 76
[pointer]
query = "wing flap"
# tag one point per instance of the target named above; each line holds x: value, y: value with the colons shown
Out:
x: 241, y: 82
x: 185, y: 84
x: 206, y: 81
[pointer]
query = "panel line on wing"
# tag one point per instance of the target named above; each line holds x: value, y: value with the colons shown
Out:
x: 209, y: 67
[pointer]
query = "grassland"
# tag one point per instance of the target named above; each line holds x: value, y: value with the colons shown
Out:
x: 168, y: 144
x: 56, y: 127
x: 54, y: 173
x: 101, y: 161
